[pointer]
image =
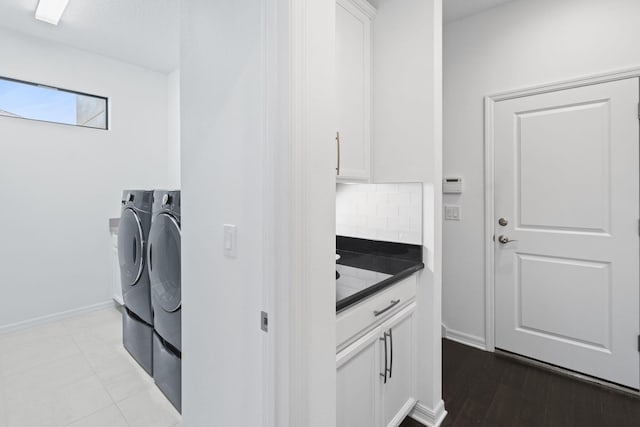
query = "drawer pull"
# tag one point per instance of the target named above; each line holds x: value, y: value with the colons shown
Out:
x: 387, y: 308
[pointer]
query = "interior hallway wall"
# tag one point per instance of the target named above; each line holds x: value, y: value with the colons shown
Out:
x: 222, y: 136
x: 516, y: 45
x: 60, y: 184
x: 407, y: 107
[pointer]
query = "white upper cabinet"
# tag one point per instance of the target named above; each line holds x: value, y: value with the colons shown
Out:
x: 353, y: 89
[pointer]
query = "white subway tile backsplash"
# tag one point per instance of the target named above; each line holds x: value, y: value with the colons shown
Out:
x: 377, y: 222
x: 416, y: 198
x: 388, y: 235
x: 400, y: 198
x: 413, y: 211
x: 411, y: 237
x: 389, y: 212
x: 365, y: 208
x: 343, y: 230
x: 399, y: 223
x: 361, y: 233
x: 359, y: 197
x: 377, y: 197
x: 415, y: 224
x: 415, y: 188
x: 386, y: 188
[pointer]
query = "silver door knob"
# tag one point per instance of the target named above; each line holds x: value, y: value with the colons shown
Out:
x: 503, y: 222
x: 504, y: 240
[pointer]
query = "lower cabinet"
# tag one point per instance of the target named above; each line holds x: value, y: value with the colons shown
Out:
x: 376, y: 374
x: 357, y: 382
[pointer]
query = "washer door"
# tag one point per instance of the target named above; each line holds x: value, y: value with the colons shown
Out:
x: 130, y: 247
x: 164, y: 262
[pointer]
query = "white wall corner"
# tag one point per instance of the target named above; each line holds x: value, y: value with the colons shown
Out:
x: 428, y: 416
x: 18, y: 326
x: 173, y: 128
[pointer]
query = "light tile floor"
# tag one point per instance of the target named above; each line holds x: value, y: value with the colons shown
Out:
x: 75, y: 372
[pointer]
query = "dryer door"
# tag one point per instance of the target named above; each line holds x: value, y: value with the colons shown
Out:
x: 164, y: 261
x: 130, y: 247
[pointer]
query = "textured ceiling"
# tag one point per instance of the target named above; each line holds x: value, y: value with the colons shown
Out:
x: 458, y: 9
x: 141, y: 32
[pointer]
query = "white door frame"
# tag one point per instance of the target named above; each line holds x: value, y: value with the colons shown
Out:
x: 300, y: 366
x: 489, y: 173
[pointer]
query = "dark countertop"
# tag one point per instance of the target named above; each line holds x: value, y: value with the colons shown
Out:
x: 369, y: 266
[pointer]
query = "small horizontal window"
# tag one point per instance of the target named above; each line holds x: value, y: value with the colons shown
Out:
x: 49, y: 104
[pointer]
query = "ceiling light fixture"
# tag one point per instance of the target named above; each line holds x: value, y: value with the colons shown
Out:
x: 51, y: 10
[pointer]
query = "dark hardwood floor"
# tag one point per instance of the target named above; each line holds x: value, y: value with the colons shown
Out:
x: 485, y: 389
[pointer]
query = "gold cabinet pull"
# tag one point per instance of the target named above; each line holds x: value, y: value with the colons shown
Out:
x: 338, y: 147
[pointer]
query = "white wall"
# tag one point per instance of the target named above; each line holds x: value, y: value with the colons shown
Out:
x: 60, y: 184
x: 173, y: 128
x: 430, y: 344
x: 516, y: 45
x: 402, y: 91
x: 222, y: 168
x: 387, y: 212
x: 255, y: 116
x: 407, y: 147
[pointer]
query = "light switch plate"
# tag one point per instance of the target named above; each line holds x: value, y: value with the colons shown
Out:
x: 230, y: 241
x: 452, y: 213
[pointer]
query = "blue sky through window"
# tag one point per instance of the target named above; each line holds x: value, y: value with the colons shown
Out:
x: 39, y: 103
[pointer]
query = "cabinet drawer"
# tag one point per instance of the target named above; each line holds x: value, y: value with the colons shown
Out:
x: 356, y: 320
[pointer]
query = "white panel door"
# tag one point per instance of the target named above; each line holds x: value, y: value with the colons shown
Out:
x: 353, y: 90
x: 566, y: 187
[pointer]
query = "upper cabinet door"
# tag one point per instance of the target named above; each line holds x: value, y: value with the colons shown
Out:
x: 353, y: 88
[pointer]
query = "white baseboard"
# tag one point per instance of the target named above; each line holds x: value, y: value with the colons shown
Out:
x: 56, y: 316
x: 404, y: 411
x: 427, y: 416
x: 464, y: 338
